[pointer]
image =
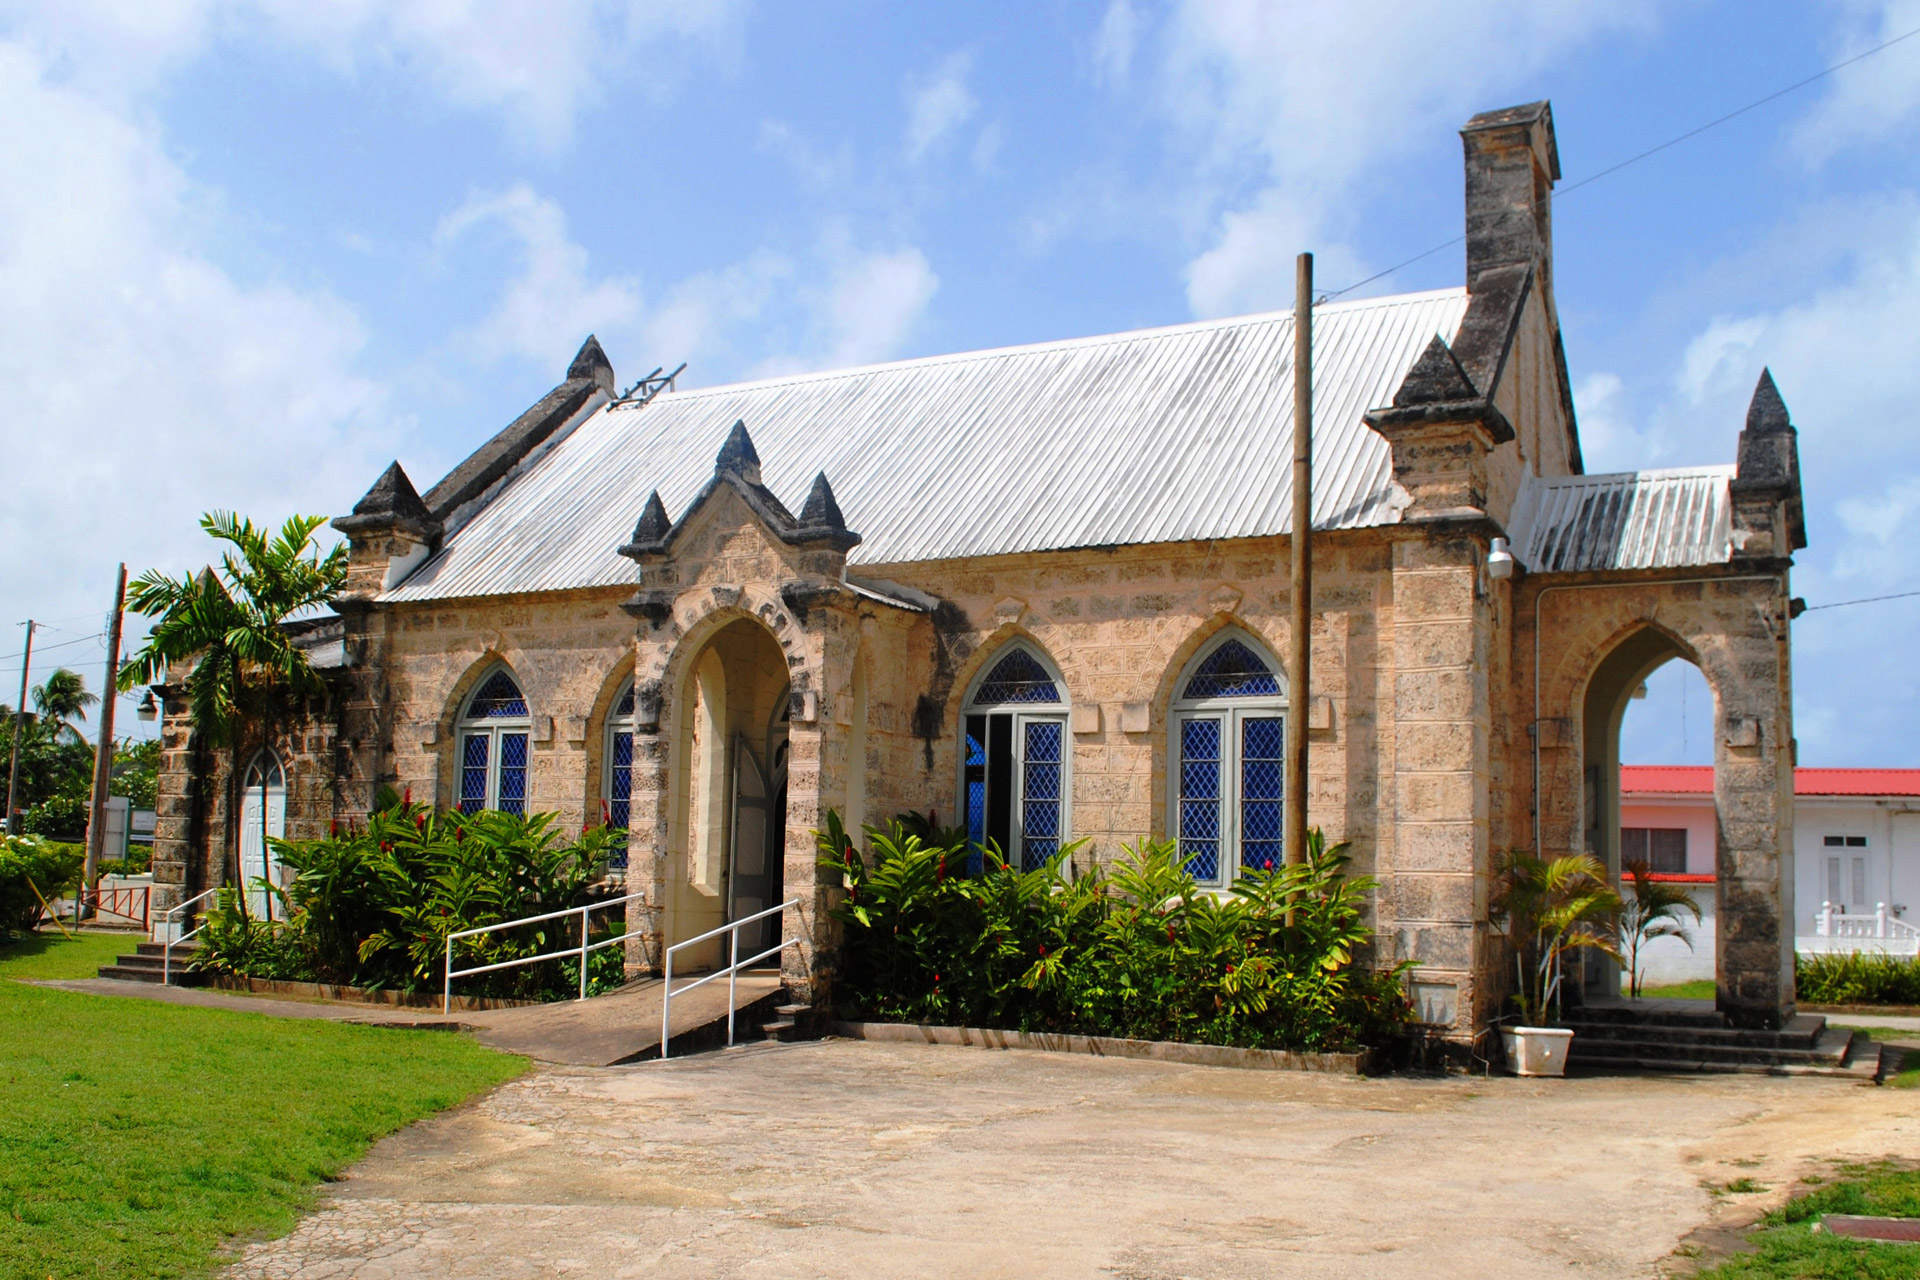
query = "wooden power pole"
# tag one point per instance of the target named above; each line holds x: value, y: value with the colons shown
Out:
x: 103, y: 755
x: 1300, y: 659
x: 19, y: 727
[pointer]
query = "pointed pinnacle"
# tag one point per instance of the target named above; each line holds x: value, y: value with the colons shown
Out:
x: 654, y: 523
x: 1767, y: 413
x: 1435, y: 377
x: 821, y: 511
x: 738, y: 454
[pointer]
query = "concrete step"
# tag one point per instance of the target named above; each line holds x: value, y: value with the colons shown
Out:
x: 1864, y: 1066
x: 1832, y: 1051
x: 1803, y: 1032
x: 148, y: 963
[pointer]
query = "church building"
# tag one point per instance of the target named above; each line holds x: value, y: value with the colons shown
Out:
x: 1043, y: 591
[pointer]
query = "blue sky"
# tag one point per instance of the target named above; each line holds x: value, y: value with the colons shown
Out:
x: 250, y: 250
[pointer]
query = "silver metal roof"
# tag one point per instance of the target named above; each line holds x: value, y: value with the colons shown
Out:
x: 1663, y: 519
x: 1153, y: 436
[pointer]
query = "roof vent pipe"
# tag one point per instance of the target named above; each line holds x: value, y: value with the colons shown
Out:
x: 1499, y: 560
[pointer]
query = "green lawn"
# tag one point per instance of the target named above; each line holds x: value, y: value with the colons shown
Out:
x: 145, y: 1139
x: 1787, y: 1247
x: 1699, y: 989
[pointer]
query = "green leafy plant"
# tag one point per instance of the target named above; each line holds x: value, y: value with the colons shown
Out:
x: 374, y: 906
x: 1140, y: 950
x: 33, y: 870
x: 1549, y: 909
x: 1655, y: 910
x: 1860, y: 977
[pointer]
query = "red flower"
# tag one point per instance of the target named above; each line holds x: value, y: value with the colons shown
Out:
x: 1169, y: 933
x: 1043, y: 950
x: 406, y: 797
x: 942, y: 873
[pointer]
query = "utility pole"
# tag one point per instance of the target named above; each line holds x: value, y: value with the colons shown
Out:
x: 19, y: 726
x: 1300, y: 658
x: 103, y: 755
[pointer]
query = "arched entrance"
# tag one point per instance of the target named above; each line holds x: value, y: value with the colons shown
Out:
x: 730, y: 766
x: 1603, y: 711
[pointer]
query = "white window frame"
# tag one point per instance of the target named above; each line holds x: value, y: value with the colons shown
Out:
x: 616, y: 725
x: 271, y: 808
x: 494, y: 728
x: 1023, y: 714
x: 1232, y: 712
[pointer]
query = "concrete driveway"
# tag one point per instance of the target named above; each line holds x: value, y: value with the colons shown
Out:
x: 847, y: 1159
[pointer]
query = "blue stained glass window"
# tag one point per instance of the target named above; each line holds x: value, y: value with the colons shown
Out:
x: 620, y: 786
x: 976, y: 779
x: 498, y: 698
x: 623, y: 709
x: 1233, y: 671
x: 1040, y: 793
x: 513, y: 773
x: 473, y: 772
x: 1017, y: 678
x: 1200, y: 797
x: 1262, y: 785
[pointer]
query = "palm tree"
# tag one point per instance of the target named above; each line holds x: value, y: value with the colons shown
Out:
x: 61, y: 698
x: 229, y: 624
x: 1549, y: 909
x: 1653, y: 911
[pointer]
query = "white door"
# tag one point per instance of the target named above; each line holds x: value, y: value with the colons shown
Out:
x: 263, y: 816
x: 749, y: 883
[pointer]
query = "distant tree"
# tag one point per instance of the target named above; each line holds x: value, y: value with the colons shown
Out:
x: 62, y: 698
x: 136, y: 771
x: 226, y: 628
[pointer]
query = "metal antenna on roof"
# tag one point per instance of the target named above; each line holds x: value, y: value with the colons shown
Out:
x: 649, y: 387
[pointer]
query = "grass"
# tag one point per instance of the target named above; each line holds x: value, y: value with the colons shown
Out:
x: 148, y: 1139
x: 1787, y: 1248
x: 1698, y: 989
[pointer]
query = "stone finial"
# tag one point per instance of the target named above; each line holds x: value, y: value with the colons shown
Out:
x: 592, y: 365
x: 393, y: 504
x: 1767, y: 412
x: 1435, y: 378
x: 1768, y: 473
x: 654, y: 523
x: 738, y: 455
x: 821, y: 511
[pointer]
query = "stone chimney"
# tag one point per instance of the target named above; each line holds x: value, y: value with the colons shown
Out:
x: 1512, y: 164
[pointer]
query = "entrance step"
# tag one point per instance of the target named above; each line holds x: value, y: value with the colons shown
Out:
x: 791, y: 1022
x: 1690, y: 1035
x: 148, y: 964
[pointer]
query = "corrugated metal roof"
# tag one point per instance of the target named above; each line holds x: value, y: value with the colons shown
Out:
x: 1697, y: 779
x: 1153, y: 436
x: 1628, y: 520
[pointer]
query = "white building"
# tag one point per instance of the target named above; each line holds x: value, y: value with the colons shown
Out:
x: 1856, y: 858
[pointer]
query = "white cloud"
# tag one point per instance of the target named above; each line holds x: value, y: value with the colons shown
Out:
x: 536, y: 66
x: 1286, y: 108
x: 1113, y: 43
x: 143, y: 384
x: 698, y: 319
x: 939, y: 106
x: 875, y: 301
x: 1874, y: 99
x: 1609, y: 441
x: 551, y: 303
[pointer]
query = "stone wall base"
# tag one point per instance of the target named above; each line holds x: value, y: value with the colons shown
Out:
x: 1364, y: 1063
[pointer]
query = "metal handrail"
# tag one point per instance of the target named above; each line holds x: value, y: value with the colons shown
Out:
x: 734, y: 965
x: 446, y: 995
x: 169, y: 941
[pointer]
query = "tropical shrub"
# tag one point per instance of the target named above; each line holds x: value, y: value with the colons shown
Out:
x: 1138, y: 951
x: 1654, y: 910
x: 1864, y: 977
x: 1550, y: 909
x: 374, y: 906
x: 61, y: 817
x: 33, y: 869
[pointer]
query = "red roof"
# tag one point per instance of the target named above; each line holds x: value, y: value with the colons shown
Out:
x: 1697, y: 779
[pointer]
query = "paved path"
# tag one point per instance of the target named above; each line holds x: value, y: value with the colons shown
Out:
x: 847, y: 1159
x: 1890, y: 1021
x: 622, y: 1027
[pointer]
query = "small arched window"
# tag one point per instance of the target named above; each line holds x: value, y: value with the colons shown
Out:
x: 493, y: 746
x: 1014, y: 760
x: 1229, y: 739
x: 263, y: 818
x: 616, y: 783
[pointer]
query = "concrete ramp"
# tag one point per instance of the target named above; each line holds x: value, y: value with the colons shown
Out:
x: 625, y: 1026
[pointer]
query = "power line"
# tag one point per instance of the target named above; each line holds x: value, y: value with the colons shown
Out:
x: 1841, y: 604
x: 1675, y: 141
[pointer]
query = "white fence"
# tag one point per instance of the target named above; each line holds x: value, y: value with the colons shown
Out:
x: 582, y: 951
x: 734, y: 965
x: 1835, y: 932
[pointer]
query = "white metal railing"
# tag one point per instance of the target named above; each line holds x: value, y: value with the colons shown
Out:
x: 1833, y: 922
x: 168, y: 941
x: 730, y: 973
x: 446, y: 995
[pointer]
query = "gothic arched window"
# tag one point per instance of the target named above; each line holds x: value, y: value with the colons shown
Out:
x: 263, y: 819
x: 1013, y: 751
x: 1229, y: 744
x: 616, y: 782
x: 493, y: 746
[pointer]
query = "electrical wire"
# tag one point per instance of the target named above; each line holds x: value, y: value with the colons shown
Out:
x: 1841, y: 604
x: 1675, y: 141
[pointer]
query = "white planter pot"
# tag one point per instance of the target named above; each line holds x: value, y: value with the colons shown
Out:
x: 1537, y: 1051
